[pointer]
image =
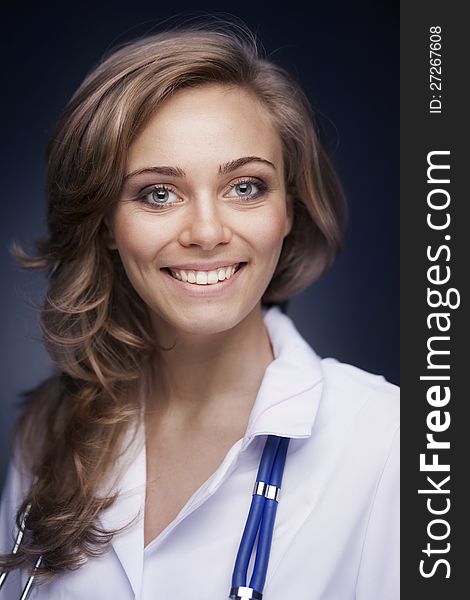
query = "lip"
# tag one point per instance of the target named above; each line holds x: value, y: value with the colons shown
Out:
x: 205, y: 291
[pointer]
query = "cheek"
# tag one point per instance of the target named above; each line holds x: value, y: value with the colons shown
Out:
x: 137, y: 238
x: 267, y: 234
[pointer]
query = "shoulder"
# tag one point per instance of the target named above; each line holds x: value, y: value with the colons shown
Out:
x: 358, y: 391
x: 359, y: 418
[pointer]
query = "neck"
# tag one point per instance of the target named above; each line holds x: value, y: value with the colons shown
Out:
x: 207, y: 382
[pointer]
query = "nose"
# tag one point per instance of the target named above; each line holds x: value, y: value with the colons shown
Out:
x: 205, y: 225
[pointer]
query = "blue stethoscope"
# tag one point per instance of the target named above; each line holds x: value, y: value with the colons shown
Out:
x: 259, y: 523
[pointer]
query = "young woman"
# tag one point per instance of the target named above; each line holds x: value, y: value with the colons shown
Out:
x: 189, y: 198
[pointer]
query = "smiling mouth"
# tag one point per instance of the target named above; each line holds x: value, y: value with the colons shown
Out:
x: 211, y: 277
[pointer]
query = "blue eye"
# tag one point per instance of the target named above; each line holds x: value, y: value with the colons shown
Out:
x: 159, y: 196
x: 247, y: 189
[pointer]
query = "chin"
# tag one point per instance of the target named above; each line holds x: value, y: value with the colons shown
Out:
x: 209, y: 324
x: 203, y: 320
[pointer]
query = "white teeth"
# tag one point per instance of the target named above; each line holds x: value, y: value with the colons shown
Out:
x: 204, y: 277
x: 212, y: 277
x: 201, y: 277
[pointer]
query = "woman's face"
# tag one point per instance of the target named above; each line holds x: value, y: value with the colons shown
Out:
x: 203, y: 212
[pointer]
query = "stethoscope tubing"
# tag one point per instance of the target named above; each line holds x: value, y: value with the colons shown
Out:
x: 255, y: 514
x: 261, y: 518
x: 19, y: 537
x: 29, y: 583
x: 265, y: 538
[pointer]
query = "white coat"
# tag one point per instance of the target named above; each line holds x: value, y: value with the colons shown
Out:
x: 336, y: 534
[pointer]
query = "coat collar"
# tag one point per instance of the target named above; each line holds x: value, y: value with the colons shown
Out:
x: 286, y: 405
x: 289, y: 395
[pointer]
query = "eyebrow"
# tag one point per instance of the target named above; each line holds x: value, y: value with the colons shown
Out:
x: 225, y: 168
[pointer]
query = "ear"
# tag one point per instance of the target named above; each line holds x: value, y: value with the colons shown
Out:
x: 290, y: 214
x: 107, y: 234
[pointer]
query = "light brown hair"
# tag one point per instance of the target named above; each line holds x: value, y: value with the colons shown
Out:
x: 95, y: 325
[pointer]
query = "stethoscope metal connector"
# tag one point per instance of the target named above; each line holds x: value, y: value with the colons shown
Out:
x: 245, y: 593
x: 272, y: 492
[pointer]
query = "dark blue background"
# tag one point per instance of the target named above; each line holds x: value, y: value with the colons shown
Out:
x: 346, y: 56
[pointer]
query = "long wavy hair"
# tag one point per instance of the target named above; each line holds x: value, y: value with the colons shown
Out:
x: 95, y: 326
